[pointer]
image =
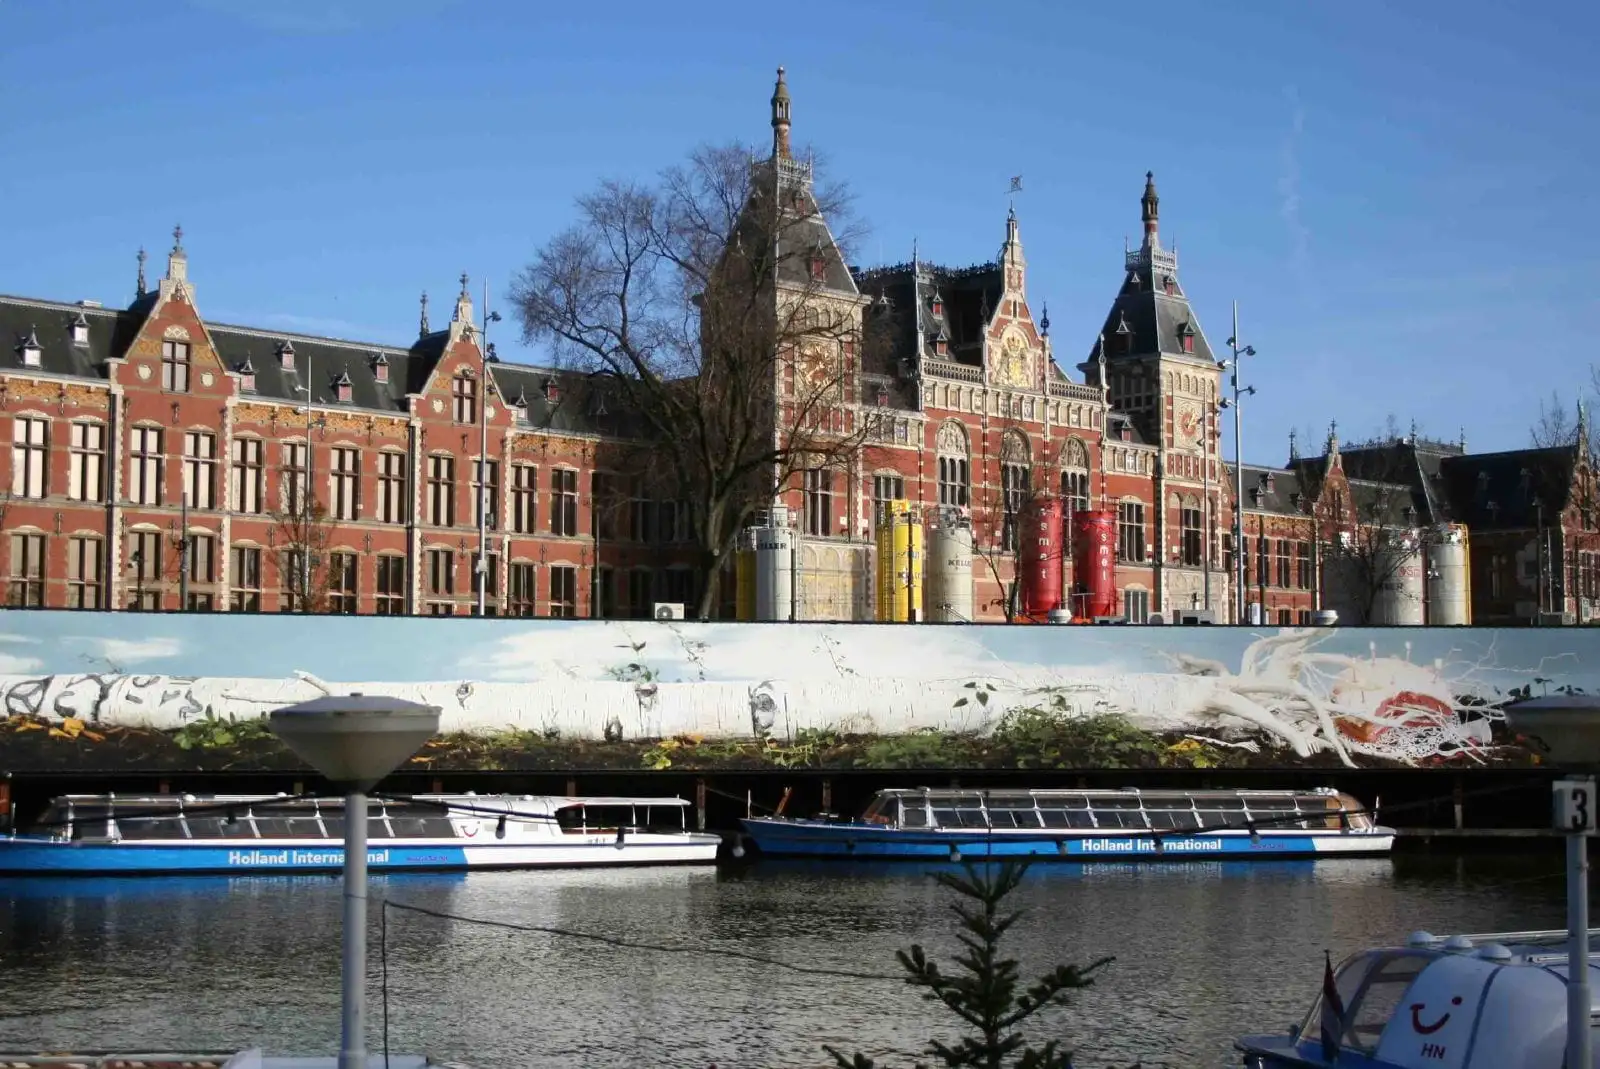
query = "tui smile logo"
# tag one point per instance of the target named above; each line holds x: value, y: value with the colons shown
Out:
x: 1430, y: 1029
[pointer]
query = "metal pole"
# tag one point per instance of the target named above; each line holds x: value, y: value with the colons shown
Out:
x: 1238, y: 478
x: 307, y: 497
x: 483, y: 456
x: 911, y: 574
x: 353, y: 1034
x: 1206, y: 422
x: 1578, y: 1034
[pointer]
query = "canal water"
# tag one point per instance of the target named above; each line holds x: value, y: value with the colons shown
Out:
x: 1205, y: 951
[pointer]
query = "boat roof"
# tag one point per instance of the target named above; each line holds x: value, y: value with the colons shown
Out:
x: 465, y: 799
x: 1546, y: 948
x: 1114, y: 792
x: 245, y: 1059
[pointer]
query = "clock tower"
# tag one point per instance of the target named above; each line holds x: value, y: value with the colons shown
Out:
x: 1161, y: 372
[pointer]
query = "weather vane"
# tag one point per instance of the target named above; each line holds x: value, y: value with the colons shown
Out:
x: 1016, y: 187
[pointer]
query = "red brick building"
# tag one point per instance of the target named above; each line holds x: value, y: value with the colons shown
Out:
x: 158, y: 461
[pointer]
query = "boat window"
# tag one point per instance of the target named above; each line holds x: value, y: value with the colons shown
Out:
x: 1175, y: 819
x: 216, y: 826
x: 1218, y: 818
x: 883, y: 810
x: 913, y: 813
x: 1385, y: 989
x: 1348, y: 977
x: 607, y: 817
x: 287, y: 822
x: 1013, y: 811
x: 412, y: 821
x: 141, y: 823
x: 958, y: 811
x: 1118, y: 813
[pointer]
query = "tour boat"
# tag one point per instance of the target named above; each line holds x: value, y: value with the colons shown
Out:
x: 244, y: 1059
x: 175, y: 834
x: 1489, y: 1001
x: 1081, y: 825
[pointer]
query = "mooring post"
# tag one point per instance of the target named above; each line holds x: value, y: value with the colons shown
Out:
x: 1460, y: 802
x: 700, y: 804
x: 163, y: 787
x: 572, y: 786
x: 5, y: 801
x: 437, y: 786
x: 749, y: 803
x: 827, y: 796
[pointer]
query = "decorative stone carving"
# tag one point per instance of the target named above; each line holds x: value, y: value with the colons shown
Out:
x: 145, y: 373
x: 175, y: 333
x: 438, y: 404
x: 952, y: 439
x: 206, y: 378
x: 1014, y: 448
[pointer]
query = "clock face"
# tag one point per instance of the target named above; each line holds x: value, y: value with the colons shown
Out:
x: 1189, y: 424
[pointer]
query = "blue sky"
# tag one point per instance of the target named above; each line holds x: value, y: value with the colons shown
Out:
x: 1396, y: 194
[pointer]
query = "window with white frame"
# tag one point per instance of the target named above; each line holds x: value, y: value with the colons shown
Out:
x: 344, y: 483
x: 393, y: 501
x: 522, y: 596
x: 85, y: 572
x: 524, y: 498
x: 25, y: 585
x: 86, y: 470
x: 30, y: 456
x: 200, y: 469
x: 249, y: 477
x: 886, y: 488
x: 819, y: 501
x: 486, y: 494
x: 441, y: 490
x: 144, y: 482
x: 294, y: 478
x: 175, y: 366
x: 564, y: 590
x: 244, y: 578
x: 1130, y: 532
x: 564, y: 502
x: 1136, y: 606
x: 391, y: 585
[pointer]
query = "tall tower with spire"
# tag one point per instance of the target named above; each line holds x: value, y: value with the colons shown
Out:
x: 780, y: 119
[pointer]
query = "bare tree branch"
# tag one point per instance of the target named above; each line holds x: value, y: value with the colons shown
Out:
x: 302, y: 530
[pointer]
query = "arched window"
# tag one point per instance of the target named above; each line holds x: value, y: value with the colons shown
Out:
x: 1191, y: 524
x: 1075, y: 475
x: 954, y: 471
x: 1015, y: 465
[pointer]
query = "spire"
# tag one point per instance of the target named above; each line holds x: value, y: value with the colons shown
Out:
x: 139, y: 286
x: 1583, y: 425
x: 463, y: 313
x: 177, y: 259
x: 1149, y: 211
x: 780, y: 119
x: 422, y: 328
x: 1462, y: 441
x: 1011, y: 254
x: 1044, y: 321
x: 1333, y: 438
x: 1294, y: 445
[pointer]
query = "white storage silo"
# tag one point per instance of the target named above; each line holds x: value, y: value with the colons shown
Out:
x: 948, y: 595
x: 775, y: 550
x: 1449, y: 589
x: 1397, y: 572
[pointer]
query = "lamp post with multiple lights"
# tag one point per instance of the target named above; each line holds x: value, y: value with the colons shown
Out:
x: 1241, y: 602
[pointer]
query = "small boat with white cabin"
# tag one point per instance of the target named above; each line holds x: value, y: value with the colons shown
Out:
x: 1083, y: 825
x: 1494, y: 1000
x: 173, y: 834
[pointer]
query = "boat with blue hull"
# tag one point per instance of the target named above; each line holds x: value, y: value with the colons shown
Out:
x: 1083, y: 825
x: 97, y: 835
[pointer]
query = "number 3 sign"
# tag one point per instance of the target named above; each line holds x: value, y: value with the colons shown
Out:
x: 1575, y: 805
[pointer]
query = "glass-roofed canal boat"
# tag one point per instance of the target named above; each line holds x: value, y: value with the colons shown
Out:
x: 185, y: 834
x: 1081, y: 825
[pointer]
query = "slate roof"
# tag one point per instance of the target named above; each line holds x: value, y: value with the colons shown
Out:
x: 967, y: 298
x: 1500, y: 491
x: 1272, y: 490
x: 799, y: 232
x: 577, y: 407
x: 1412, y: 462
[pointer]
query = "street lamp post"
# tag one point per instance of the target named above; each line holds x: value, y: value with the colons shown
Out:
x: 1241, y: 600
x: 355, y: 741
x: 485, y: 353
x: 1569, y: 727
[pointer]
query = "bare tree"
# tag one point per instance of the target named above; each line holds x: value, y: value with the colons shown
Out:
x: 1002, y: 515
x: 1372, y: 555
x: 710, y: 305
x: 302, y: 530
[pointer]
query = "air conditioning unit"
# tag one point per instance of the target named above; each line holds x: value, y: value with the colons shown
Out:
x: 669, y: 610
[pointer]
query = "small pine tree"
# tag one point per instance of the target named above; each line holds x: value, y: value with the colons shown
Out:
x: 985, y: 994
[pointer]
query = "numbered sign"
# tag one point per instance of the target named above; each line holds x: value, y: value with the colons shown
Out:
x: 1575, y: 805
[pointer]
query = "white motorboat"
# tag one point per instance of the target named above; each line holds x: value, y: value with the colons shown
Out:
x: 1495, y: 1000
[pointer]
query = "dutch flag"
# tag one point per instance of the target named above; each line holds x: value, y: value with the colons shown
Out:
x: 1332, y: 1011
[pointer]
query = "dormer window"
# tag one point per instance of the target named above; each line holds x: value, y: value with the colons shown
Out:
x: 1124, y: 334
x: 247, y: 375
x: 552, y: 390
x: 32, y: 355
x: 1186, y: 337
x: 1269, y: 482
x: 380, y: 367
x: 819, y: 267
x: 80, y: 330
x: 1168, y: 285
x: 522, y: 400
x: 941, y: 345
x: 286, y: 356
x: 343, y: 387
x: 1296, y: 499
x: 881, y: 396
x: 938, y: 305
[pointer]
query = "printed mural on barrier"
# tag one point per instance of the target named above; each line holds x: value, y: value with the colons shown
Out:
x: 1338, y: 695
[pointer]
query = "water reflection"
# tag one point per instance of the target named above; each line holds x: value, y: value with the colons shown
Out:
x: 1205, y: 950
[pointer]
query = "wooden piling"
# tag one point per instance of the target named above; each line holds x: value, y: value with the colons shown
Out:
x: 827, y: 796
x: 572, y: 786
x: 700, y: 804
x: 1458, y: 793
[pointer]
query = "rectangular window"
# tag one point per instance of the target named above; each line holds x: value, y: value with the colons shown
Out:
x: 201, y: 601
x: 605, y: 592
x: 1136, y: 606
x: 1302, y: 554
x: 819, y: 501
x: 249, y: 485
x: 1192, y: 546
x: 564, y: 590
x: 564, y: 501
x: 85, y: 573
x: 642, y: 513
x: 672, y: 522
x: 200, y: 469
x: 524, y: 498
x: 295, y: 479
x: 343, y: 595
x: 26, y: 587
x: 641, y: 593
x: 1285, y: 617
x: 522, y: 595
x: 1014, y: 495
x: 393, y: 506
x: 678, y: 586
x: 886, y: 488
x: 491, y: 578
x: 1263, y: 561
x: 175, y: 366
x: 86, y: 475
x: 1285, y: 570
x: 953, y: 481
x: 391, y: 583
x: 202, y: 558
x: 441, y: 573
x: 244, y: 573
x: 603, y: 503
x: 144, y: 556
x: 442, y: 491
x: 344, y: 483
x: 464, y: 399
x: 30, y: 453
x: 486, y: 494
x: 1130, y: 533
x: 294, y: 575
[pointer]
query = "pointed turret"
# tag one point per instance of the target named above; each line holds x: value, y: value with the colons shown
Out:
x: 139, y: 285
x: 177, y: 259
x: 422, y: 327
x: 1150, y: 211
x: 1011, y: 257
x: 463, y: 312
x: 780, y: 119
